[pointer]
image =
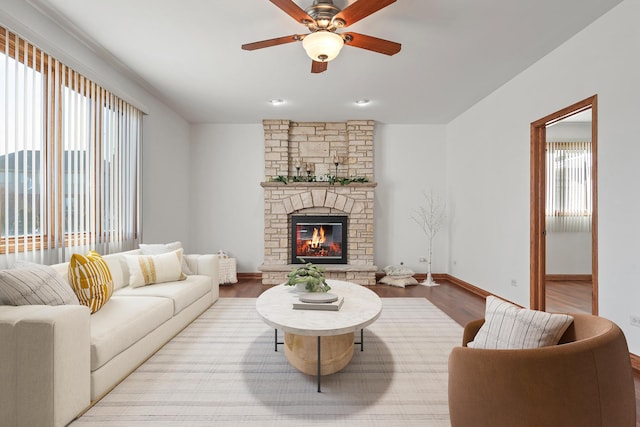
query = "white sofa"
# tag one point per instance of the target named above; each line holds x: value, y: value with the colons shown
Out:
x: 56, y: 360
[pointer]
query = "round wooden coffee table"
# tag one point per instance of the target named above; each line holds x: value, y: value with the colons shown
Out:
x: 319, y: 342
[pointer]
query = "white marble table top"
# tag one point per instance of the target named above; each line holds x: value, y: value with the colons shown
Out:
x: 361, y: 307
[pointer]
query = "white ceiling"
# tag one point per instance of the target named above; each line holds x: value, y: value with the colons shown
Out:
x: 454, y: 53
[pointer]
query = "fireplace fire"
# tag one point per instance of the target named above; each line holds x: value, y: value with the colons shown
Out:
x: 321, y: 239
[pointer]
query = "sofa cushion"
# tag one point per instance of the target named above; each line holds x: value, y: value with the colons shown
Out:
x: 182, y: 293
x: 149, y: 269
x: 122, y: 322
x: 30, y: 283
x: 161, y: 248
x: 508, y: 326
x: 90, y: 279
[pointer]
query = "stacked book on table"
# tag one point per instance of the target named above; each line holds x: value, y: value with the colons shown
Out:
x: 319, y: 301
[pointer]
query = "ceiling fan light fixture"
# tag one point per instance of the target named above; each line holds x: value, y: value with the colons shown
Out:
x: 322, y: 46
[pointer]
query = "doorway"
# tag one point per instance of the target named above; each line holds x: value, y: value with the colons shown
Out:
x: 539, y: 226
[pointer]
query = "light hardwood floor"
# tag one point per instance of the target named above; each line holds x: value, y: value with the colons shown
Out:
x: 458, y: 303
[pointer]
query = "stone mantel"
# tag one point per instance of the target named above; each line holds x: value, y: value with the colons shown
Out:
x: 317, y: 184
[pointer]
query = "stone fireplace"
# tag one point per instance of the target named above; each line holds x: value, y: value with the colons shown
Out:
x: 317, y: 143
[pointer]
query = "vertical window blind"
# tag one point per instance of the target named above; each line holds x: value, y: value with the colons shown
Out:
x: 569, y: 185
x: 69, y: 159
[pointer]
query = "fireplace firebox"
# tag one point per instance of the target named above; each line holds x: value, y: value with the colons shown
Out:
x: 321, y: 239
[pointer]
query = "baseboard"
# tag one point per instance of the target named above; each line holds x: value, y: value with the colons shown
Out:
x: 568, y: 277
x: 468, y: 286
x: 249, y: 276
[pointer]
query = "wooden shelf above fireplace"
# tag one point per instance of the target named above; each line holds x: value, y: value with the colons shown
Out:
x: 317, y: 184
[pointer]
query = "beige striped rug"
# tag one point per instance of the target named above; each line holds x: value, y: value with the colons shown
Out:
x: 222, y: 370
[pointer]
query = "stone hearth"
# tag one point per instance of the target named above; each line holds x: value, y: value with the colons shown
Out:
x: 317, y: 143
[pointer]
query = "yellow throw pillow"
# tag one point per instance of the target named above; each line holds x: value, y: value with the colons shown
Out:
x: 91, y: 280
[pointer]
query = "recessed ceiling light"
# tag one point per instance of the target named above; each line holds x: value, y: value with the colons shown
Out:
x: 276, y: 101
x: 362, y: 102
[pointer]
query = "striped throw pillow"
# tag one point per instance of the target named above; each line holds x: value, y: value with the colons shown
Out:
x: 149, y: 269
x: 34, y: 284
x: 163, y: 248
x: 508, y: 326
x: 91, y: 280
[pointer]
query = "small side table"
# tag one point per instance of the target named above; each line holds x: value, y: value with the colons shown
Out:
x: 227, y: 271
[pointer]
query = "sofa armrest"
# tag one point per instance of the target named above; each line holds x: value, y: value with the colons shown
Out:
x: 207, y: 265
x: 44, y: 364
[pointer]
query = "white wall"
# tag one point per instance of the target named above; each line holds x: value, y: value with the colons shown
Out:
x: 227, y: 210
x: 165, y: 134
x: 488, y: 166
x: 227, y: 166
x: 165, y: 170
x: 409, y: 161
x: 568, y: 253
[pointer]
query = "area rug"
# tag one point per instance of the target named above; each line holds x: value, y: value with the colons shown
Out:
x: 222, y: 370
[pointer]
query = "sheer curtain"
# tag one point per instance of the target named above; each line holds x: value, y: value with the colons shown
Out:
x: 69, y: 160
x: 569, y: 201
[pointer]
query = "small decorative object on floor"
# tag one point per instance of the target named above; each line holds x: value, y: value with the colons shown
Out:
x: 400, y: 276
x: 431, y: 217
x: 309, y: 275
x: 227, y: 268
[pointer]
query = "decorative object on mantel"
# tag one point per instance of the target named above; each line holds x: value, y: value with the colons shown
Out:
x: 336, y: 163
x: 325, y: 178
x: 309, y: 277
x: 431, y: 217
x: 298, y: 166
x: 310, y: 168
x: 399, y: 276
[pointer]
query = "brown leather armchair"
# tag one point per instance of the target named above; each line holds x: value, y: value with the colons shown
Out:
x: 585, y: 380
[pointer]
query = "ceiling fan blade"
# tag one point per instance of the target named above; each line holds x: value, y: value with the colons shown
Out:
x: 361, y: 9
x: 372, y: 43
x: 271, y: 42
x: 318, y: 67
x: 293, y: 10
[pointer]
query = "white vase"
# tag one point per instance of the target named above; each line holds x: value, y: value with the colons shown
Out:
x: 301, y: 287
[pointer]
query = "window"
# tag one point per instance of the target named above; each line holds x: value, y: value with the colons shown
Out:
x: 69, y: 158
x: 569, y: 204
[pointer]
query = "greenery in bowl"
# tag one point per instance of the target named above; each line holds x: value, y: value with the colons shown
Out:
x: 311, y: 276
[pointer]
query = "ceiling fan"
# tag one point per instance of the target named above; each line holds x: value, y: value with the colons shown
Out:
x: 323, y: 18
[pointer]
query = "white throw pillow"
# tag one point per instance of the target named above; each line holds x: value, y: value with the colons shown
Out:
x: 508, y: 326
x: 149, y: 269
x: 399, y: 281
x: 162, y: 248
